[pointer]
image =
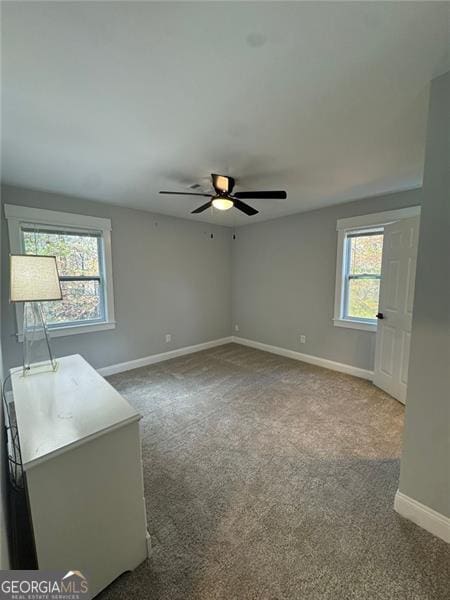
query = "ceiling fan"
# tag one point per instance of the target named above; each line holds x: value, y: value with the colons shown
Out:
x: 223, y: 199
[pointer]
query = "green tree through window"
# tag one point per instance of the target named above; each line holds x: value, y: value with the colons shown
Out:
x: 79, y: 259
x: 364, y: 254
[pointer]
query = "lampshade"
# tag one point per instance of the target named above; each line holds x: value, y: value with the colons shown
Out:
x: 34, y: 278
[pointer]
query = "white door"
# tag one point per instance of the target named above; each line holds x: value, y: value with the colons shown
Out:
x: 398, y: 273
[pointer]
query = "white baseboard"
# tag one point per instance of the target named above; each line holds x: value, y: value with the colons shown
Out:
x: 149, y: 544
x: 156, y: 358
x: 308, y: 358
x: 422, y: 515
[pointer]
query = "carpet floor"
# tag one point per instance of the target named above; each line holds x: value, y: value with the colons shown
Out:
x: 270, y: 479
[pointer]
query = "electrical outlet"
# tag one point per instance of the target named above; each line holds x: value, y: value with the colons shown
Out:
x: 168, y: 338
x: 303, y: 339
x: 236, y: 327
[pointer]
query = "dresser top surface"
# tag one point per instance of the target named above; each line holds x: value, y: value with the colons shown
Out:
x: 58, y: 410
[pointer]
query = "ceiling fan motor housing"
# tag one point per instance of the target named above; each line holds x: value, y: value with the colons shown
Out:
x: 222, y: 183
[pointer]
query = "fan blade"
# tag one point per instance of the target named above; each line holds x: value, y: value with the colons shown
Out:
x: 248, y: 210
x: 202, y: 208
x: 186, y: 194
x: 222, y: 183
x: 274, y: 195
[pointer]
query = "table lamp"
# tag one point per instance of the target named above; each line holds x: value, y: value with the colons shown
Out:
x: 34, y: 279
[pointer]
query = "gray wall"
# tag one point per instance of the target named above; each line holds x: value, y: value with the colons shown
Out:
x: 169, y: 277
x: 4, y: 558
x: 284, y: 275
x: 425, y: 466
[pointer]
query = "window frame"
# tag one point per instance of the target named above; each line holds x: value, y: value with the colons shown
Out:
x: 370, y: 223
x: 22, y: 217
x: 346, y: 276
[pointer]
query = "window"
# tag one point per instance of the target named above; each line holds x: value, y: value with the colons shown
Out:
x: 79, y: 257
x: 358, y: 270
x: 362, y: 274
x: 83, y: 252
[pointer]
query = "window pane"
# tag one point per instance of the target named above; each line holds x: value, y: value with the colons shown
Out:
x: 363, y: 298
x: 365, y: 254
x: 81, y: 302
x: 76, y: 254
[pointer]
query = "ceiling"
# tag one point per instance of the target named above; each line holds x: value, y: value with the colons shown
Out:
x: 114, y: 101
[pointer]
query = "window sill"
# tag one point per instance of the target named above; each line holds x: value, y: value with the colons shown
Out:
x: 75, y: 329
x: 355, y: 324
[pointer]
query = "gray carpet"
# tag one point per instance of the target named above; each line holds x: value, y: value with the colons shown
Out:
x: 268, y: 478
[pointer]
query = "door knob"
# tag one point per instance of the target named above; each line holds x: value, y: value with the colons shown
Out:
x: 379, y: 316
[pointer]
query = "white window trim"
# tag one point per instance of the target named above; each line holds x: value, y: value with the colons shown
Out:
x: 350, y: 225
x: 21, y: 215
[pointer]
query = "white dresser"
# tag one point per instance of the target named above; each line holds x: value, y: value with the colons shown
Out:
x: 81, y: 455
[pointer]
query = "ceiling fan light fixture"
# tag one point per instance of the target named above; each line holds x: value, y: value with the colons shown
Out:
x: 222, y: 203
